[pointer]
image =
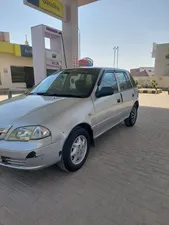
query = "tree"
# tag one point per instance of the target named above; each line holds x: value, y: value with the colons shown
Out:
x: 154, y: 84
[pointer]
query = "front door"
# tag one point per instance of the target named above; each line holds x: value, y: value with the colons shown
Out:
x: 106, y: 107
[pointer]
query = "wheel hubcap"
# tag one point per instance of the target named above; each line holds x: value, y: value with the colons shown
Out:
x: 133, y: 115
x: 78, y: 149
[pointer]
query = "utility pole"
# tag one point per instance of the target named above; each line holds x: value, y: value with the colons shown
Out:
x: 79, y: 43
x: 117, y: 56
x: 114, y: 62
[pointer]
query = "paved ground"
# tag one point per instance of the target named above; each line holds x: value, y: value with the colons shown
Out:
x: 125, y: 180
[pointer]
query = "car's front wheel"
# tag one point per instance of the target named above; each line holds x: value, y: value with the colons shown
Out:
x: 131, y: 120
x: 75, y: 150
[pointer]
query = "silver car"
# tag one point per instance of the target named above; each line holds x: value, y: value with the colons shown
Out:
x: 61, y: 117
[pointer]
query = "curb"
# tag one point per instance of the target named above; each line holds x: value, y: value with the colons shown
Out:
x: 145, y: 91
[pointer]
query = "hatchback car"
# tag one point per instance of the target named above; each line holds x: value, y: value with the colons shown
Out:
x: 62, y: 116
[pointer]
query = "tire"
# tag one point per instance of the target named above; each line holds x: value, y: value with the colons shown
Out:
x: 67, y: 162
x: 131, y: 120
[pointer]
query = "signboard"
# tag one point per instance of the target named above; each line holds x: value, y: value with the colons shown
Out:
x: 50, y: 30
x: 26, y: 51
x: 86, y: 62
x: 52, y: 7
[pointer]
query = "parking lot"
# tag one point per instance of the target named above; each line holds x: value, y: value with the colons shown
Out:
x: 125, y: 180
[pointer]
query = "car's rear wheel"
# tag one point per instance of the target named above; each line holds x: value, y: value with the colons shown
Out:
x: 75, y: 150
x: 131, y: 120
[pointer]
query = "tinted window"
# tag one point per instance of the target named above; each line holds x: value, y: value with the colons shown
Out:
x: 129, y: 85
x: 123, y: 80
x: 132, y: 80
x: 109, y: 80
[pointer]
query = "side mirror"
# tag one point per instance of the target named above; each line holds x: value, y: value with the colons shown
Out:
x: 104, y: 91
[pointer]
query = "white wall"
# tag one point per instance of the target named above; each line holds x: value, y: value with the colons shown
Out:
x: 149, y: 70
x: 7, y: 60
x: 70, y: 34
x: 38, y: 49
x: 161, y: 63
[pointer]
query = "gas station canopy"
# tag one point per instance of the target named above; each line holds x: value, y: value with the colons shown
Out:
x: 56, y: 8
x: 64, y: 46
x: 85, y: 2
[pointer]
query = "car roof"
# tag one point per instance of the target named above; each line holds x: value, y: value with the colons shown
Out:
x: 101, y: 68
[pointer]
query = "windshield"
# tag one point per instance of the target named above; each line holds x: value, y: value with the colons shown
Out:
x: 68, y: 83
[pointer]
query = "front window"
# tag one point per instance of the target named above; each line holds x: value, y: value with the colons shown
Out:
x: 68, y: 83
x: 109, y: 80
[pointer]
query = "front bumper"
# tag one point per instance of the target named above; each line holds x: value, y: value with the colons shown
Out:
x: 30, y: 155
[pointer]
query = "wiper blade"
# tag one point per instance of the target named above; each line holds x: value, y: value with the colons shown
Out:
x: 43, y: 94
x: 74, y: 96
x: 57, y: 95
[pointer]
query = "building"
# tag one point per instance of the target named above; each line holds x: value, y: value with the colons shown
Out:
x: 160, y: 73
x: 16, y: 62
x: 161, y: 54
x: 145, y: 76
x: 142, y: 72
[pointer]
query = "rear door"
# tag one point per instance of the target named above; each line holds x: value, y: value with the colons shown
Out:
x: 134, y: 86
x: 106, y: 107
x: 127, y: 93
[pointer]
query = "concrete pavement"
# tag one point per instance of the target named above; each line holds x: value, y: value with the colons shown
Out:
x: 125, y: 180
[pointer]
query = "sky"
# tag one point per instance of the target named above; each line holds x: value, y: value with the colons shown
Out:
x: 133, y: 25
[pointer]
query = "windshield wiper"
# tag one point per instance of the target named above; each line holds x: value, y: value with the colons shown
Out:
x: 73, y: 96
x: 43, y: 94
x: 56, y: 95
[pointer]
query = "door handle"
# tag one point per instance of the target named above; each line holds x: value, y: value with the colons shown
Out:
x: 118, y: 100
x: 133, y: 95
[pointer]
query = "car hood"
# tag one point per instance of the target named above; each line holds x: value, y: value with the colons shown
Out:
x: 33, y: 108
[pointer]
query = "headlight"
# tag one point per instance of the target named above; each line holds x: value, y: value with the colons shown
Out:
x: 29, y: 133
